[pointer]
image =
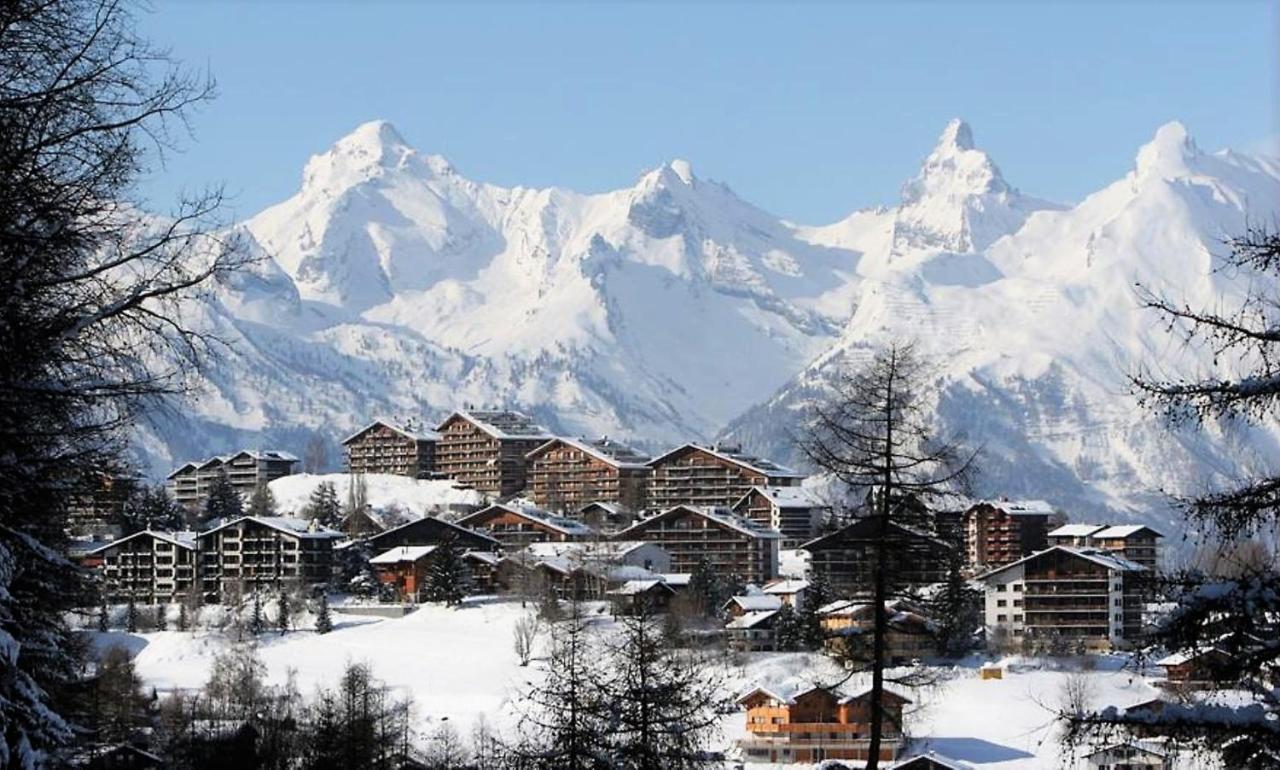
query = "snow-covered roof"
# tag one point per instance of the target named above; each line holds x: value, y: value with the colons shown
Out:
x: 502, y: 424
x: 286, y: 524
x: 604, y: 449
x: 787, y: 497
x: 265, y: 454
x: 717, y: 514
x: 676, y: 578
x: 1020, y: 507
x: 605, y: 550
x: 1077, y: 530
x: 783, y: 587
x: 448, y: 524
x: 1184, y: 656
x: 737, y: 456
x: 182, y: 539
x: 788, y: 690
x: 428, y: 435
x: 937, y: 759
x: 634, y: 587
x: 750, y: 619
x: 756, y: 602
x: 1121, y: 531
x: 488, y: 557
x: 1108, y: 559
x: 1147, y: 746
x: 403, y: 553
x: 533, y: 513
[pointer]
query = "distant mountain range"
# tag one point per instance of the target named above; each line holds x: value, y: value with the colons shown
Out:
x: 671, y: 310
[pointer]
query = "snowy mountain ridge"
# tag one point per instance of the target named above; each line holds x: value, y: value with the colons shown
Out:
x: 664, y: 311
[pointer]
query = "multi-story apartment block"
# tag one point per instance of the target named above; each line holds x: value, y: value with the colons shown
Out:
x: 488, y: 450
x: 846, y: 558
x: 1076, y: 595
x: 717, y: 475
x: 731, y: 544
x: 262, y: 553
x: 566, y: 474
x: 98, y: 502
x: 516, y: 525
x: 246, y: 470
x: 800, y: 723
x: 148, y: 567
x: 796, y: 512
x: 1003, y: 531
x: 383, y: 447
x: 1135, y: 542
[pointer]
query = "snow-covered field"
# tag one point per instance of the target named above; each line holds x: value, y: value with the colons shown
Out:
x: 383, y: 491
x: 459, y: 663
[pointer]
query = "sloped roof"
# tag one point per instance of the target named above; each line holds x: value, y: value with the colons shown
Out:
x: 1105, y: 558
x: 636, y: 587
x: 736, y: 456
x: 855, y: 527
x: 788, y: 690
x: 1178, y: 658
x: 786, y: 586
x: 465, y: 531
x: 786, y: 497
x: 1146, y: 746
x: 750, y: 619
x: 532, y: 513
x: 182, y: 539
x: 604, y: 449
x: 1121, y: 531
x: 414, y: 435
x: 403, y: 553
x: 1077, y: 530
x: 1020, y: 507
x: 756, y: 602
x: 286, y: 524
x: 265, y: 454
x: 502, y: 424
x: 722, y: 516
x: 921, y: 760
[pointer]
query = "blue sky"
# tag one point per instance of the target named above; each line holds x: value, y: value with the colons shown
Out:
x: 809, y: 111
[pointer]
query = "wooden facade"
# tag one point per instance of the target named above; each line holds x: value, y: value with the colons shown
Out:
x: 404, y: 568
x: 516, y: 526
x: 848, y: 628
x: 262, y: 553
x: 811, y: 724
x: 487, y: 451
x: 711, y: 476
x: 846, y: 558
x: 430, y: 530
x: 732, y: 545
x: 1002, y: 531
x: 382, y: 447
x: 148, y: 567
x: 566, y: 474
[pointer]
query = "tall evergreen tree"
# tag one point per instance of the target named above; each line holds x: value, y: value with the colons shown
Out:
x: 131, y: 616
x: 323, y: 505
x: 90, y: 334
x: 816, y: 596
x: 449, y: 578
x: 104, y: 617
x: 788, y: 633
x: 283, y: 614
x: 223, y: 501
x: 257, y: 622
x: 875, y: 436
x: 262, y: 502
x: 152, y: 507
x: 324, y: 623
x: 707, y: 588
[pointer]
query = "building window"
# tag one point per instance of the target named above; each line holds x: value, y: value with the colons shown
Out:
x: 1017, y: 602
x: 1000, y: 602
x: 1001, y: 588
x: 1017, y: 587
x: 1017, y: 618
x: 1001, y: 618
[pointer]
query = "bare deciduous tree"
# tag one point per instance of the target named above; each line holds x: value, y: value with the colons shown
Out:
x: 525, y: 637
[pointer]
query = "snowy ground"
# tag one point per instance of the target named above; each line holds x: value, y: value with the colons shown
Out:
x: 460, y: 664
x: 418, y: 496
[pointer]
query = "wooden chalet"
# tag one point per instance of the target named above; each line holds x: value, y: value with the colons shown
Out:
x: 794, y: 511
x: 487, y: 450
x: 383, y: 447
x: 846, y: 558
x: 1131, y: 755
x: 649, y: 594
x: 605, y: 517
x: 717, y: 475
x: 802, y: 724
x: 848, y: 625
x: 516, y: 525
x: 753, y: 631
x: 732, y: 546
x: 566, y: 474
x: 1205, y: 666
x: 261, y: 553
x: 1002, y: 531
x: 431, y: 530
x: 148, y: 567
x: 737, y: 606
x: 405, y: 568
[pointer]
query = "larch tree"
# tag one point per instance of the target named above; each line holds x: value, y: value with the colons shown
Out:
x: 875, y: 436
x: 1232, y: 600
x: 91, y: 327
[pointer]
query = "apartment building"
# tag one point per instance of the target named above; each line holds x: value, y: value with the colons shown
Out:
x: 717, y: 475
x: 246, y: 470
x: 566, y: 474
x: 487, y: 450
x: 1135, y: 542
x: 846, y: 558
x: 261, y: 553
x: 800, y: 723
x: 98, y: 502
x: 1077, y: 596
x: 516, y: 524
x: 1002, y: 531
x: 148, y: 567
x: 384, y: 447
x: 796, y: 512
x: 731, y: 544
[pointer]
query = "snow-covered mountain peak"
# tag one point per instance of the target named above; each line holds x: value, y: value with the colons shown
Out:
x: 1168, y: 154
x: 959, y: 201
x: 367, y: 152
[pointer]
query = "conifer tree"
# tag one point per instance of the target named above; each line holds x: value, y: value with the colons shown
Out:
x: 324, y: 623
x: 162, y: 619
x: 449, y: 578
x: 262, y: 502
x: 131, y: 616
x: 224, y: 501
x: 707, y: 588
x: 283, y: 613
x: 152, y: 507
x: 184, y: 620
x: 104, y: 617
x: 323, y: 505
x: 788, y: 634
x: 257, y: 623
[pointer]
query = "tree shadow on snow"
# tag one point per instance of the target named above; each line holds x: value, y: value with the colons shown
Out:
x: 973, y: 749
